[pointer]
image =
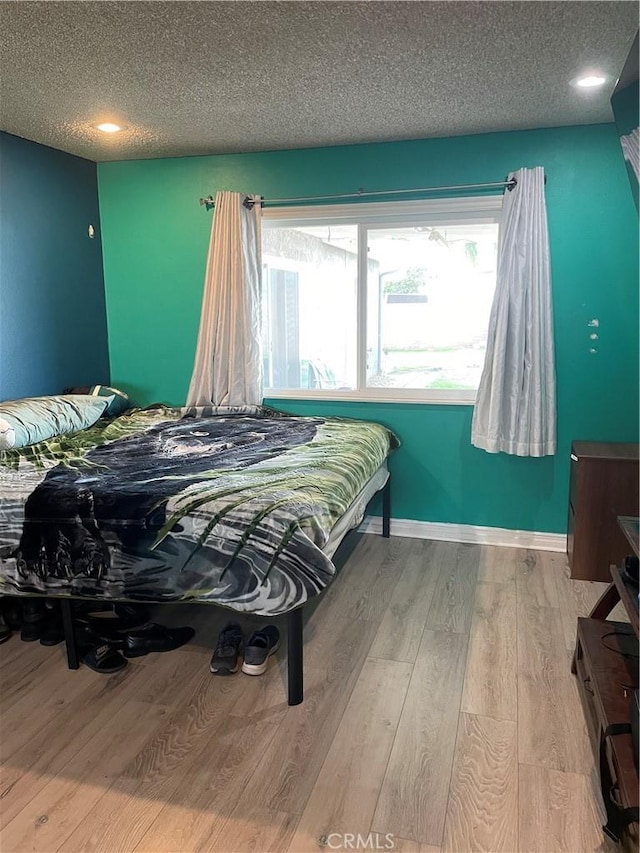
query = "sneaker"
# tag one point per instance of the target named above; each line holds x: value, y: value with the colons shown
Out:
x: 225, y: 656
x: 259, y: 648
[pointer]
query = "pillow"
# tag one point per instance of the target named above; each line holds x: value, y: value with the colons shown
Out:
x: 34, y: 419
x: 119, y: 404
x: 119, y: 401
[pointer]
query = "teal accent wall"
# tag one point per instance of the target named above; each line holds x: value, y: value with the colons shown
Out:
x: 155, y: 240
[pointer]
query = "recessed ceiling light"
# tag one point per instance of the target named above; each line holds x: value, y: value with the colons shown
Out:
x: 590, y: 81
x: 109, y: 127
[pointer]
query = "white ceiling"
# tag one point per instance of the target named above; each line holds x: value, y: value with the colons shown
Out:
x: 213, y: 77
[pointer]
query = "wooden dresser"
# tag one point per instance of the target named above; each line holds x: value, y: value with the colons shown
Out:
x: 604, y: 484
x: 606, y: 663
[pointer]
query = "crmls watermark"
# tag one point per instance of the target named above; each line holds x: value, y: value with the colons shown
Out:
x: 353, y: 841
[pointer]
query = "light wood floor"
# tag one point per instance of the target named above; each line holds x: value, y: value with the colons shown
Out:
x: 439, y: 708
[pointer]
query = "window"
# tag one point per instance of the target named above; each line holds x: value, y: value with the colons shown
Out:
x: 378, y: 301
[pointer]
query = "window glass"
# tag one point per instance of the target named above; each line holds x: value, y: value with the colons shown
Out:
x: 429, y: 294
x: 309, y: 317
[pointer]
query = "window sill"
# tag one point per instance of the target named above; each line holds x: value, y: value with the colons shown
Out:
x: 437, y: 398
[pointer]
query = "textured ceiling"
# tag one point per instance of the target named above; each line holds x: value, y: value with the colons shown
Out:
x: 212, y: 77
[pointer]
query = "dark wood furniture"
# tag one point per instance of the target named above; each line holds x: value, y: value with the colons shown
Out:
x: 603, y: 485
x: 606, y: 663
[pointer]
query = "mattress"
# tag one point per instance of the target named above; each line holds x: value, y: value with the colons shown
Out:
x: 242, y: 508
x: 355, y: 513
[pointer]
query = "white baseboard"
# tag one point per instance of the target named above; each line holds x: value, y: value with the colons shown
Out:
x: 468, y: 533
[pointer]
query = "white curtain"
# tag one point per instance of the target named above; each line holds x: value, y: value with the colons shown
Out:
x: 515, y: 410
x: 228, y: 369
x: 631, y: 150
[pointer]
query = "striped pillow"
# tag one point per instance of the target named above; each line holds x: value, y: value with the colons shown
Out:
x: 120, y: 401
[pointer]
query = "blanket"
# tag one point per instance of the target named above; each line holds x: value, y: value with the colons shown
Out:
x: 165, y: 504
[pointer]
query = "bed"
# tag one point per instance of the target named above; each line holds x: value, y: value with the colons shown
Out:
x: 242, y: 508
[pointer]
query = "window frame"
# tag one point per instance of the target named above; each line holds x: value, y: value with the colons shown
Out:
x: 371, y: 216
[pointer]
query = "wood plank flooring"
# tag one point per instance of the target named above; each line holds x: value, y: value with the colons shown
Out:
x: 440, y: 715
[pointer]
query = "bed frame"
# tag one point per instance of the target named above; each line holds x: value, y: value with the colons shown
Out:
x: 295, y: 676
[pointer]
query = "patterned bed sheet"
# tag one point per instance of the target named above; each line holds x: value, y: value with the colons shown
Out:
x: 160, y: 504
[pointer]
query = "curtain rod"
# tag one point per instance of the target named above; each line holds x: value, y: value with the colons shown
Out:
x: 249, y: 202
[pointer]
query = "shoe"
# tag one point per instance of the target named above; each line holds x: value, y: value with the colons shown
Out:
x: 52, y: 631
x: 84, y: 609
x: 259, y: 648
x: 151, y: 638
x: 131, y: 615
x: 122, y: 618
x: 33, y: 614
x: 5, y: 630
x: 225, y: 656
x: 12, y: 613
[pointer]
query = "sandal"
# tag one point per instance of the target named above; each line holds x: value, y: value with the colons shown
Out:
x: 104, y: 659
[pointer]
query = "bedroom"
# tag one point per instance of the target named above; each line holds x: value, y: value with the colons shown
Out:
x: 313, y: 100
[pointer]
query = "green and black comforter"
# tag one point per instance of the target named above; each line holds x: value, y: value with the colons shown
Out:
x: 161, y: 504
